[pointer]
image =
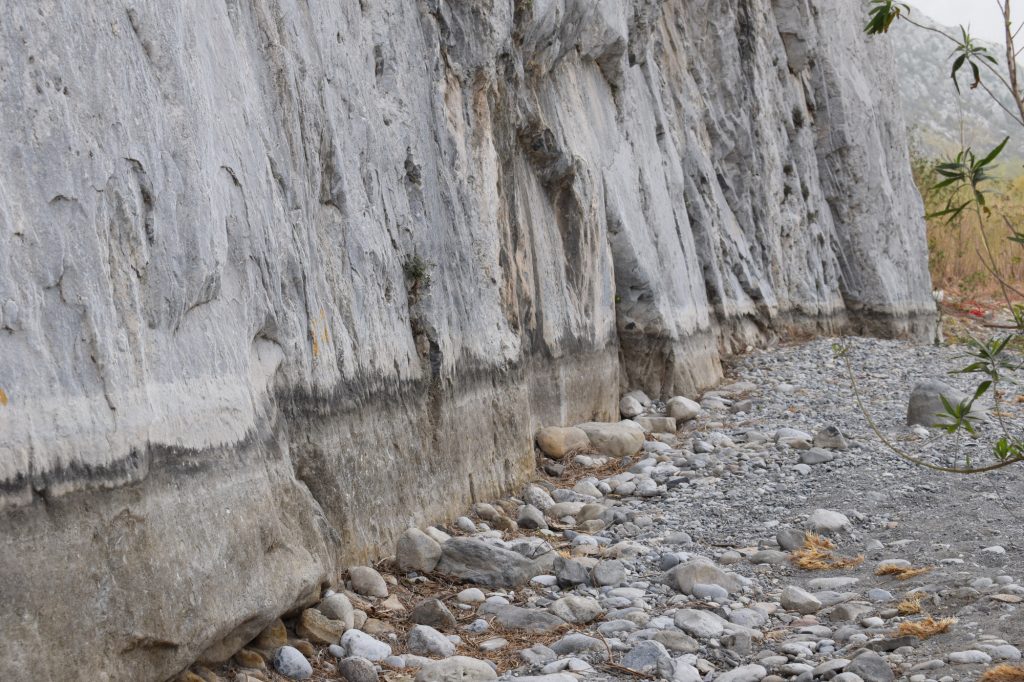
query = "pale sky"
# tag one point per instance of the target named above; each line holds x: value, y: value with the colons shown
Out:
x: 983, y: 16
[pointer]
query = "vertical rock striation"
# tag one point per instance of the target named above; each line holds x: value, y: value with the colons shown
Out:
x: 280, y: 278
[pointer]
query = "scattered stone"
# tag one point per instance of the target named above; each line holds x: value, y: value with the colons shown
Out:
x: 456, y: 669
x: 356, y: 669
x: 470, y: 595
x: 826, y: 521
x: 338, y: 607
x: 518, y: 618
x: 683, y: 409
x: 657, y: 424
x: 971, y: 656
x: 367, y: 582
x: 795, y: 599
x: 475, y: 561
x: 417, y: 551
x: 614, y: 440
x: 677, y: 642
x: 790, y: 539
x: 290, y: 662
x: 608, y: 573
x: 358, y: 643
x: 556, y: 441
x: 700, y: 624
x: 647, y: 657
x: 576, y: 610
x: 424, y: 640
x: 318, y: 628
x: 434, y: 613
x: 745, y: 673
x: 577, y: 643
x: 630, y: 407
x: 870, y: 667
x: 830, y: 438
x: 816, y: 456
x: 926, y: 407
x: 684, y: 576
x: 531, y: 518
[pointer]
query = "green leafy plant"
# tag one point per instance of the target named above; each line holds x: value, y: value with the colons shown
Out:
x: 882, y: 14
x: 965, y: 182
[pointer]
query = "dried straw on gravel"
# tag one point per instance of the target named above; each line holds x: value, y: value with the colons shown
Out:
x: 818, y: 554
x: 1004, y: 673
x: 902, y: 573
x: 923, y: 629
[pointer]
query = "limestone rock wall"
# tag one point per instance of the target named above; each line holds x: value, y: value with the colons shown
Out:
x: 222, y: 377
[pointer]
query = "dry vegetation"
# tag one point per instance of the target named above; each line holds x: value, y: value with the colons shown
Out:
x: 955, y: 247
x: 1004, y: 673
x: 901, y: 573
x: 818, y: 554
x: 923, y: 629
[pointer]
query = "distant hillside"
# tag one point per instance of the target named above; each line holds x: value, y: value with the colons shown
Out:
x: 933, y: 109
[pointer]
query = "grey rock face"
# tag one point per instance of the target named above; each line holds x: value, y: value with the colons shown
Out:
x: 240, y: 291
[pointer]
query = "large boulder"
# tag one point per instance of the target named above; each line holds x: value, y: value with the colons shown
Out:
x: 683, y: 409
x: 701, y: 572
x: 619, y: 439
x: 478, y: 562
x: 927, y: 409
x: 558, y: 441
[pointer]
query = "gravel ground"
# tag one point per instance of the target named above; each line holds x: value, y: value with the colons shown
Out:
x: 735, y: 488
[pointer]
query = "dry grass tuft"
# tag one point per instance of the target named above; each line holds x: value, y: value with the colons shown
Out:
x: 818, y: 554
x: 902, y: 573
x: 923, y: 629
x: 1004, y: 673
x: 911, y: 604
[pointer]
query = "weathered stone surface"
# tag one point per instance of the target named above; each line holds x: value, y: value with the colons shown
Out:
x: 214, y: 347
x: 614, y: 439
x: 699, y: 571
x: 477, y: 562
x: 558, y: 441
x: 926, y: 407
x: 456, y: 669
x: 683, y: 409
x: 318, y: 628
x: 417, y: 551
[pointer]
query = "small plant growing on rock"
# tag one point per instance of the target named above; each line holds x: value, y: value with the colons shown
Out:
x: 417, y: 272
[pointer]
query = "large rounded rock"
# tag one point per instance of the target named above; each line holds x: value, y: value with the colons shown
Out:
x: 426, y: 641
x: 871, y: 668
x: 699, y: 571
x: 356, y: 669
x: 803, y: 602
x: 558, y: 441
x: 477, y: 562
x: 926, y: 407
x: 683, y: 409
x: 456, y: 669
x: 318, y: 628
x: 358, y: 643
x: 614, y: 440
x: 576, y: 610
x: 367, y: 582
x: 630, y: 407
x: 290, y: 662
x: 338, y: 607
x: 417, y: 551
